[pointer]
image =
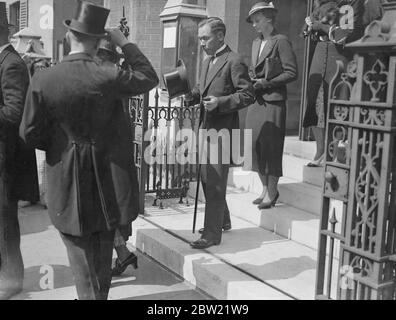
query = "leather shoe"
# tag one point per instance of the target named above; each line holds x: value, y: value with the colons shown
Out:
x: 120, y: 267
x: 269, y: 205
x: 226, y: 227
x: 258, y: 201
x: 203, y: 244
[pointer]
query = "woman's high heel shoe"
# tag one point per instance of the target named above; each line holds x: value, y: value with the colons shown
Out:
x: 120, y: 267
x: 269, y: 205
x: 258, y: 201
x: 316, y: 163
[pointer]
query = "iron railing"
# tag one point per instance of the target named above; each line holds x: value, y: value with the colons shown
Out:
x: 155, y: 130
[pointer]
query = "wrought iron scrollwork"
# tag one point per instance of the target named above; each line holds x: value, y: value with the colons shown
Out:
x: 376, y: 79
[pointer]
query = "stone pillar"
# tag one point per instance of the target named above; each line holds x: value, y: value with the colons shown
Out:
x: 180, y: 21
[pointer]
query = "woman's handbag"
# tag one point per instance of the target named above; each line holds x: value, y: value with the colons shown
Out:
x: 272, y: 68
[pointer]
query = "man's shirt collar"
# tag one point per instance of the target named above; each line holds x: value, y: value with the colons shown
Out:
x: 224, y: 46
x: 75, y: 52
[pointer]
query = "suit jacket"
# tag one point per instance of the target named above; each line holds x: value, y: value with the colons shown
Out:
x: 229, y: 81
x: 278, y: 46
x: 18, y: 168
x: 73, y: 112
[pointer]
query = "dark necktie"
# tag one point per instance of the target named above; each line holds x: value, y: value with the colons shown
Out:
x: 212, y: 58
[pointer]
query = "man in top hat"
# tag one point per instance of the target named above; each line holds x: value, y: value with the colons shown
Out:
x: 224, y: 88
x: 72, y: 113
x: 109, y: 56
x: 18, y: 171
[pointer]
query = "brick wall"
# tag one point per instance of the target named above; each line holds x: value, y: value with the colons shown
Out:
x: 116, y: 7
x: 144, y: 23
x: 146, y: 28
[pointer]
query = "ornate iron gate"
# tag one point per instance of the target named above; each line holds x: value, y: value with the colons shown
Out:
x: 167, y: 179
x: 138, y: 111
x: 357, y: 246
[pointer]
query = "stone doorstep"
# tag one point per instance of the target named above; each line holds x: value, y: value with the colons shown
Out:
x: 314, y: 176
x: 301, y: 149
x: 278, y: 262
x: 301, y: 186
x: 286, y: 221
x: 298, y: 194
x: 203, y: 270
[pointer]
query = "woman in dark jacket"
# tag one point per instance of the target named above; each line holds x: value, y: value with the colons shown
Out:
x: 273, y: 66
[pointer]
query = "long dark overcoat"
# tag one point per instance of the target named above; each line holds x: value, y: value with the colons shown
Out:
x: 18, y: 168
x: 73, y: 113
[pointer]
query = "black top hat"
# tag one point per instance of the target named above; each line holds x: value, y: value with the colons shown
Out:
x: 177, y: 82
x: 260, y: 6
x: 3, y: 16
x: 90, y: 19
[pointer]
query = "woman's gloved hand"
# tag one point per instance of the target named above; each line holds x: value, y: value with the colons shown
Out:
x: 261, y: 84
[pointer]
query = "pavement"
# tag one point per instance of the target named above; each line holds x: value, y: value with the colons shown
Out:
x: 251, y: 262
x: 48, y: 275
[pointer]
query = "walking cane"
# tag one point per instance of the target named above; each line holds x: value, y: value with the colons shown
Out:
x: 198, y: 174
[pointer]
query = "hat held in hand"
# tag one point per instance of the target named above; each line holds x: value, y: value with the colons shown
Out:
x: 177, y: 82
x: 90, y: 19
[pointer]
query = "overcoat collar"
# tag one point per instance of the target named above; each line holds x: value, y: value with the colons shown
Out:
x: 78, y: 56
x: 6, y: 52
x: 267, y: 48
x: 208, y: 76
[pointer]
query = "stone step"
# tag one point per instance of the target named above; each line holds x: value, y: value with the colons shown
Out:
x: 313, y: 176
x: 300, y: 195
x: 284, y: 220
x: 293, y: 168
x: 300, y: 149
x: 300, y: 187
x: 251, y: 263
x: 200, y: 268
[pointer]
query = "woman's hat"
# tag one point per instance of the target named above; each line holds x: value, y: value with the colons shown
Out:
x: 177, y: 82
x: 90, y: 19
x: 260, y: 6
x: 3, y: 16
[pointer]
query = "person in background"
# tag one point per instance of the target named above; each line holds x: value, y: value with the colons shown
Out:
x: 274, y: 64
x: 72, y: 112
x: 329, y: 49
x: 325, y: 11
x: 18, y: 171
x: 109, y: 56
x: 36, y: 65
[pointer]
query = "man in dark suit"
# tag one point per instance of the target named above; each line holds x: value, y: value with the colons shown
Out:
x: 72, y: 112
x: 224, y: 88
x: 18, y: 171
